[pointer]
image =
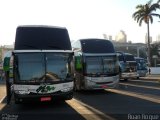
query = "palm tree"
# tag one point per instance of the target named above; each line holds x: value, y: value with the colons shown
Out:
x: 146, y: 13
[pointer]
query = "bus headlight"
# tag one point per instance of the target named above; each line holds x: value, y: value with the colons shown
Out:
x: 67, y: 89
x: 21, y: 92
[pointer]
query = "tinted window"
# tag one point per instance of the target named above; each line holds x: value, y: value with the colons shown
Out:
x: 104, y: 65
x: 42, y: 38
x: 57, y: 66
x: 97, y: 46
x: 30, y: 66
x: 40, y: 67
x: 94, y: 65
x: 129, y: 58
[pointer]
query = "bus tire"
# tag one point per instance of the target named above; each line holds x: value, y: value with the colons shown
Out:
x: 69, y: 97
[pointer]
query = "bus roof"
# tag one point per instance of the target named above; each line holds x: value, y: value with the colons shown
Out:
x: 140, y: 58
x: 94, y: 45
x: 38, y: 37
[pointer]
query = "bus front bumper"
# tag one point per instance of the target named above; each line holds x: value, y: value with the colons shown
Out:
x: 20, y: 98
x: 129, y: 75
x: 101, y: 82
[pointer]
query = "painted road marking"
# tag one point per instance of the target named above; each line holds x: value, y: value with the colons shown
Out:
x: 144, y: 81
x: 88, y: 112
x: 2, y: 92
x: 2, y: 99
x: 2, y: 95
x: 2, y: 105
x: 137, y: 95
x: 142, y: 86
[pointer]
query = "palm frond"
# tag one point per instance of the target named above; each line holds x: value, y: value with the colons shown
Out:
x: 144, y: 13
x: 158, y: 1
x: 154, y: 7
x: 138, y: 12
x: 135, y: 14
x: 140, y: 21
x: 155, y: 14
x: 149, y: 2
x: 137, y: 17
x: 139, y: 6
x: 150, y: 19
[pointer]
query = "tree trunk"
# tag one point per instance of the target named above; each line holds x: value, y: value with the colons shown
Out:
x: 148, y: 46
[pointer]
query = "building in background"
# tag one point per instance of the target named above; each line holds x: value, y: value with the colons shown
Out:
x: 107, y: 37
x: 121, y: 37
x: 158, y: 38
x: 110, y: 37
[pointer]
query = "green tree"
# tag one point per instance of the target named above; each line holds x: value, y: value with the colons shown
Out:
x: 145, y: 13
x: 155, y: 51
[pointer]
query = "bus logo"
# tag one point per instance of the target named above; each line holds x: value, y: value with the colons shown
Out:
x: 44, y: 89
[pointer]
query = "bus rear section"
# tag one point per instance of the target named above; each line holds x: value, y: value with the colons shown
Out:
x: 42, y: 60
x: 128, y: 66
x: 95, y: 68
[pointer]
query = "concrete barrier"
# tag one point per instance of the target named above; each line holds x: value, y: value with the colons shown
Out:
x: 155, y: 70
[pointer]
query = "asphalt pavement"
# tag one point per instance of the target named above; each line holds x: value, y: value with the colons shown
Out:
x: 149, y: 77
x: 155, y: 77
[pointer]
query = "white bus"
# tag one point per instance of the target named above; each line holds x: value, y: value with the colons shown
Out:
x: 128, y: 66
x: 142, y: 68
x: 42, y: 59
x: 96, y: 64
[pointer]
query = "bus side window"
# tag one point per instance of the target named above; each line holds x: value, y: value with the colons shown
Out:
x: 78, y: 63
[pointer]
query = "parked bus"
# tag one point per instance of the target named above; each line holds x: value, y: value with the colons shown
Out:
x: 96, y: 64
x: 142, y: 69
x: 42, y: 59
x: 128, y: 66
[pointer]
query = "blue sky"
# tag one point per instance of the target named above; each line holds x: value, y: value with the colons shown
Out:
x: 82, y: 18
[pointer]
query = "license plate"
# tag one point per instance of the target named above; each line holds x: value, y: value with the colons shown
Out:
x: 104, y: 86
x: 45, y: 99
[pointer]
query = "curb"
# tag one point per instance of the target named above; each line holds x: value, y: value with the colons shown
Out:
x: 150, y: 79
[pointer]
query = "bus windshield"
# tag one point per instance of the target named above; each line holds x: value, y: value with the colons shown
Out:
x: 94, y: 65
x: 41, y: 67
x: 129, y: 58
x: 101, y: 65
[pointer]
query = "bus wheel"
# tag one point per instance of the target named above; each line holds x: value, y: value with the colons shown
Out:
x: 69, y: 97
